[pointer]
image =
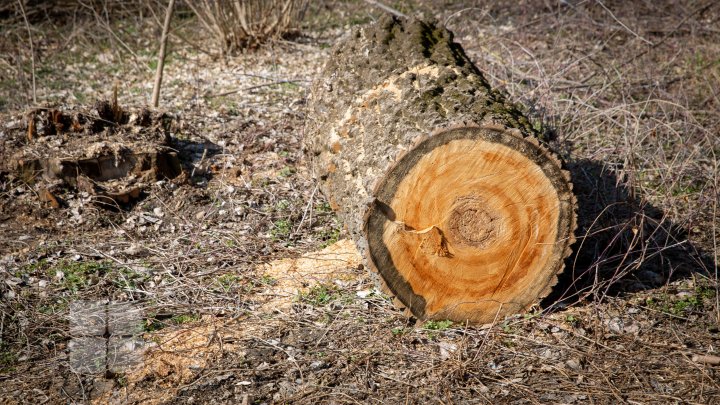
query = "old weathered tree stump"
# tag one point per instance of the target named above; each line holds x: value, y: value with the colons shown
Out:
x: 444, y: 185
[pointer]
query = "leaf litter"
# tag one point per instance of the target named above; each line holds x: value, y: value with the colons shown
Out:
x: 224, y: 253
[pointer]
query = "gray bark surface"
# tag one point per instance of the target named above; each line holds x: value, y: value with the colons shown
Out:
x: 383, y: 88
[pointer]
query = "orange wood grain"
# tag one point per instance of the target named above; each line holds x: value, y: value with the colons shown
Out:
x: 476, y: 230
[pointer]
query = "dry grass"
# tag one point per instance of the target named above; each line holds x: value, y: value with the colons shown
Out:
x: 627, y: 94
x: 241, y: 24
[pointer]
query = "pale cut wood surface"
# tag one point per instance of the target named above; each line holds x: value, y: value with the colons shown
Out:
x: 475, y: 228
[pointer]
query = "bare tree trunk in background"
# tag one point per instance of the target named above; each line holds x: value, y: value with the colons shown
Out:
x: 161, y: 56
x: 32, y: 49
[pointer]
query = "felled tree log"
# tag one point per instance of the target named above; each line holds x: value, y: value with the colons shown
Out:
x: 444, y: 185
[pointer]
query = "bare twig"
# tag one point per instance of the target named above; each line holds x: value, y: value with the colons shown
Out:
x: 386, y: 8
x: 275, y: 83
x: 706, y: 359
x: 307, y: 208
x: 32, y: 49
x: 161, y: 56
x: 623, y: 24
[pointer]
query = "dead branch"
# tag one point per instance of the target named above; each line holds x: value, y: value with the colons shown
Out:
x: 161, y: 56
x: 386, y: 8
x: 32, y: 50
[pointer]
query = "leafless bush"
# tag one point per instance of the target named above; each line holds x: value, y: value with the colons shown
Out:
x: 239, y: 24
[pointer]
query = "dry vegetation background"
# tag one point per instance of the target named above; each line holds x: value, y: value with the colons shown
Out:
x: 248, y: 292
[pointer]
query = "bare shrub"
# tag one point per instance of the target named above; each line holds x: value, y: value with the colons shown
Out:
x: 239, y: 24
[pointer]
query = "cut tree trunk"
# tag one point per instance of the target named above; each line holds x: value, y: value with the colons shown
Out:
x: 445, y: 186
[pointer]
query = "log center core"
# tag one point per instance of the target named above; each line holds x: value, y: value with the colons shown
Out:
x: 470, y: 223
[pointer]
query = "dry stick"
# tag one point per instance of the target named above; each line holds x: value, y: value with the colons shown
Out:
x: 227, y: 93
x: 706, y: 359
x: 161, y: 56
x: 386, y: 8
x: 32, y: 49
x: 105, y: 23
x: 307, y: 208
x: 638, y: 36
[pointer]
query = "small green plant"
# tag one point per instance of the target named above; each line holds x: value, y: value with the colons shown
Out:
x: 320, y: 295
x: 282, y: 205
x: 705, y: 292
x: 121, y: 380
x: 329, y: 237
x: 156, y: 322
x: 399, y: 331
x: 7, y: 358
x: 127, y: 278
x: 228, y: 281
x: 509, y: 343
x: 286, y: 171
x: 681, y: 306
x: 437, y: 325
x: 290, y: 86
x: 323, y: 208
x: 184, y: 318
x: 433, y: 328
x: 78, y: 275
x: 281, y: 229
x: 268, y: 280
x: 32, y: 268
x: 80, y: 97
x: 360, y: 20
x: 152, y: 323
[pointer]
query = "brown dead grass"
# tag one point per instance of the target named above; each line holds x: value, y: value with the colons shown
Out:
x: 626, y: 93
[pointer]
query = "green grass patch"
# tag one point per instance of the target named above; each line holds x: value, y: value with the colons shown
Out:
x: 75, y: 276
x: 329, y: 237
x: 697, y: 300
x: 399, y: 331
x: 155, y: 322
x: 268, y: 280
x: 291, y: 86
x: 286, y: 171
x: 281, y: 229
x: 184, y: 318
x: 437, y: 325
x: 282, y: 205
x: 320, y: 295
x: 323, y: 208
x: 228, y: 281
x: 7, y: 358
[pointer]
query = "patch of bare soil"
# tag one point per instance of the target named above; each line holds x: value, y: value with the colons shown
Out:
x: 203, y: 218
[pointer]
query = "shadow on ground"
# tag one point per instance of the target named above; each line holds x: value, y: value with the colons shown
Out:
x: 624, y: 244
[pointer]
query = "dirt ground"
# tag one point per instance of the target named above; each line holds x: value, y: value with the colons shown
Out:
x: 214, y: 258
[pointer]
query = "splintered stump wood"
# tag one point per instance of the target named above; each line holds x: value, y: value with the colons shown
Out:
x: 445, y: 186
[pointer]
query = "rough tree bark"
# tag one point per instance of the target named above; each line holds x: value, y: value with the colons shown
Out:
x: 443, y: 184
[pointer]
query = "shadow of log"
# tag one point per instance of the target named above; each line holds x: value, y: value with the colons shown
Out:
x: 195, y: 159
x: 624, y: 244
